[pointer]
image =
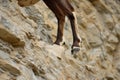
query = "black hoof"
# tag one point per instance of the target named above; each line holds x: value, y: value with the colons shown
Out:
x: 75, y: 50
x: 60, y: 43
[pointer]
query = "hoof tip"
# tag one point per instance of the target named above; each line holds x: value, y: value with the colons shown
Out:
x: 75, y: 50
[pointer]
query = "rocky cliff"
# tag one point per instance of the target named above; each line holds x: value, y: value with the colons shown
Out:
x: 27, y: 35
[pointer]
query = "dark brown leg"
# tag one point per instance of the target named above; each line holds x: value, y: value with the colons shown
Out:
x: 61, y: 21
x: 76, y: 40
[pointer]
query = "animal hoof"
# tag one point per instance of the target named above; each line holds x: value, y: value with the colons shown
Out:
x: 60, y: 43
x: 75, y: 50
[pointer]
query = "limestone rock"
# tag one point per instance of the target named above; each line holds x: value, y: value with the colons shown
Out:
x: 113, y: 39
x: 24, y: 3
x: 27, y: 35
x: 8, y: 67
x: 117, y: 29
x: 9, y: 37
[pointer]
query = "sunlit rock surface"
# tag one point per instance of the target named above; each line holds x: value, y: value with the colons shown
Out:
x: 27, y: 35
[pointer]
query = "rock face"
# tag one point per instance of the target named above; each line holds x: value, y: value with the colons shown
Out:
x: 27, y: 35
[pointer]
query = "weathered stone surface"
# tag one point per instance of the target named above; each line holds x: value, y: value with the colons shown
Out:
x: 9, y: 37
x: 117, y: 29
x: 9, y: 67
x: 113, y: 39
x: 24, y: 3
x: 34, y: 28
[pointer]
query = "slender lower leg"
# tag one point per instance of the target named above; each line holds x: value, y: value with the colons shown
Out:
x: 61, y: 22
x: 76, y: 39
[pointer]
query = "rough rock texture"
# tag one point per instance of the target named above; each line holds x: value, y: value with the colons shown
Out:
x: 27, y: 35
